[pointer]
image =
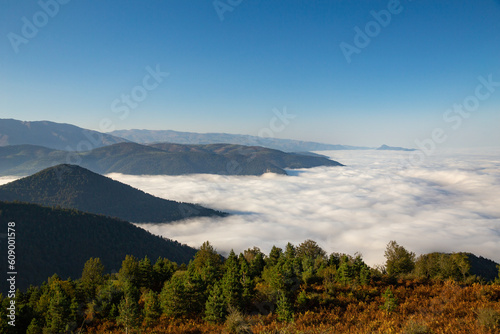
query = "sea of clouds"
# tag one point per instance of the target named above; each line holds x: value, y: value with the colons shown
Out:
x: 448, y: 203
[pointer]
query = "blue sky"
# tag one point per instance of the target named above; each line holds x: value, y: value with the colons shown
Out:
x: 229, y: 74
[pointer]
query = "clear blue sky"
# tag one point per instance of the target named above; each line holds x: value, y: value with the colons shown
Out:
x: 228, y: 75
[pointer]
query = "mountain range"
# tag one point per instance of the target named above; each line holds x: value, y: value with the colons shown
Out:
x: 51, y: 240
x: 53, y: 135
x: 160, y: 159
x: 74, y: 187
x: 193, y: 138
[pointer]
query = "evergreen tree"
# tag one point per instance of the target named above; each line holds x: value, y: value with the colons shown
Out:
x: 344, y: 273
x: 216, y: 305
x: 163, y: 270
x: 145, y: 270
x: 129, y: 271
x: 152, y: 309
x: 108, y: 297
x: 390, y: 302
x: 247, y: 282
x: 173, y: 296
x: 58, y: 310
x: 207, y: 257
x: 290, y: 251
x: 257, y: 265
x: 274, y: 256
x: 197, y: 286
x: 284, y: 308
x: 128, y: 310
x: 92, y: 277
x: 231, y: 284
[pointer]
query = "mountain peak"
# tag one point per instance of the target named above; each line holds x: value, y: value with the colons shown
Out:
x: 74, y: 187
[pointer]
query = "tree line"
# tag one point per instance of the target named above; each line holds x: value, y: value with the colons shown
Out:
x: 213, y: 290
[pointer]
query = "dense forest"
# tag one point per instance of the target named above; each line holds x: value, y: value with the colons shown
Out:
x: 299, y: 289
x: 51, y: 240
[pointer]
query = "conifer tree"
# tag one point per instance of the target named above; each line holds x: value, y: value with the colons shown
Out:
x: 58, y: 310
x: 129, y: 271
x: 152, y: 309
x: 92, y: 277
x: 231, y: 285
x: 128, y: 310
x: 163, y: 270
x: 274, y: 256
x: 216, y: 305
x: 145, y: 273
x: 173, y: 296
x: 284, y: 308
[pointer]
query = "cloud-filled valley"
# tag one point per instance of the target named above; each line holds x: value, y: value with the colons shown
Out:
x: 448, y: 203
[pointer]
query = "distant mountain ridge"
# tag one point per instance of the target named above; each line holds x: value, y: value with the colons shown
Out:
x: 74, y: 187
x: 53, y: 135
x: 193, y: 138
x: 394, y: 148
x: 61, y: 241
x: 160, y: 159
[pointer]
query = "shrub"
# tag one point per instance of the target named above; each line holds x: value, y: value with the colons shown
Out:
x: 488, y: 318
x: 236, y: 323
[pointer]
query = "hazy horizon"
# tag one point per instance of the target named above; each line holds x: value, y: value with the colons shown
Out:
x: 360, y: 73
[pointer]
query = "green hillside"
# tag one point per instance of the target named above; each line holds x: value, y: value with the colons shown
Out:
x: 60, y: 241
x: 74, y: 187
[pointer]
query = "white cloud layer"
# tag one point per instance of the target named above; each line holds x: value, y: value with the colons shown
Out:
x: 448, y: 203
x: 7, y: 179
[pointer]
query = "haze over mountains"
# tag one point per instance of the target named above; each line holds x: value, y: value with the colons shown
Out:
x: 47, y: 144
x: 74, y: 187
x: 53, y: 135
x: 162, y: 159
x: 286, y: 145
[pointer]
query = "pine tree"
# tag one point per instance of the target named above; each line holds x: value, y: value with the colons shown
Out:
x: 257, y: 265
x: 231, y: 284
x: 128, y: 310
x: 58, y: 310
x: 216, y: 305
x: 129, y: 271
x: 151, y: 308
x: 390, y: 303
x: 173, y: 296
x: 92, y: 277
x: 284, y: 308
x: 274, y: 256
x: 163, y: 270
x: 290, y: 251
x: 145, y: 270
x: 344, y: 272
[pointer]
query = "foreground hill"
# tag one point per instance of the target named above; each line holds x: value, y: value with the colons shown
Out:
x: 53, y: 135
x: 60, y: 241
x: 74, y: 187
x: 161, y: 159
x: 286, y: 145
